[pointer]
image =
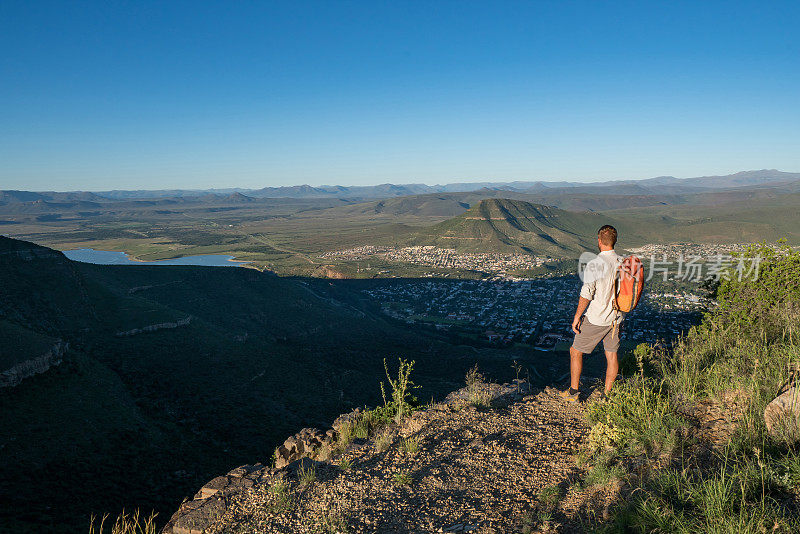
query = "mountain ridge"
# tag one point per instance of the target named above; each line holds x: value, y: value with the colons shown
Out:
x: 659, y: 184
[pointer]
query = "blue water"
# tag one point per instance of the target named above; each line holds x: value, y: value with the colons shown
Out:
x: 109, y: 257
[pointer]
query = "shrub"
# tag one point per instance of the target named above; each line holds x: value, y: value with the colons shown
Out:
x: 638, y: 417
x: 603, y: 436
x: 400, y: 400
x: 766, y: 306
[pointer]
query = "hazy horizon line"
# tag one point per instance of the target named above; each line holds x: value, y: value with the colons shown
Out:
x: 439, y: 184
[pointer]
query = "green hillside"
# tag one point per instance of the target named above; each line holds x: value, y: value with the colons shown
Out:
x: 432, y: 206
x: 436, y: 205
x: 18, y: 344
x: 757, y: 219
x: 503, y: 225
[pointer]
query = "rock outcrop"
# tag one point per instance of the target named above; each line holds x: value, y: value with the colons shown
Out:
x: 209, y: 502
x: 308, y: 443
x: 153, y: 327
x: 782, y: 415
x: 16, y: 374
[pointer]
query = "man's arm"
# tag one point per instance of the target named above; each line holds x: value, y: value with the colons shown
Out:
x: 583, y: 303
x: 587, y: 294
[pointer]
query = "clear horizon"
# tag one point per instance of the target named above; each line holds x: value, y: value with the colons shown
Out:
x: 466, y: 182
x: 184, y: 95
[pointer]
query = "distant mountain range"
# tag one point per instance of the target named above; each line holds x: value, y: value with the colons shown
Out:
x: 771, y: 178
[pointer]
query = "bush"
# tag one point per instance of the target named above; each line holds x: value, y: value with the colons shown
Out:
x: 636, y: 418
x: 766, y: 306
x: 401, y: 399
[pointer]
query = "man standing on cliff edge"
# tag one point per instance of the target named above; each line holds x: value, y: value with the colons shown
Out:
x: 596, y: 319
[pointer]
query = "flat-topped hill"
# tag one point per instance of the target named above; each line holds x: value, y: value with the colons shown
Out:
x: 504, y: 225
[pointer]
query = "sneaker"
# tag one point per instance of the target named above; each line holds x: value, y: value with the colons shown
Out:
x: 569, y: 397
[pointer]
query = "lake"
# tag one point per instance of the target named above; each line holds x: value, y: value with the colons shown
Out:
x: 110, y: 257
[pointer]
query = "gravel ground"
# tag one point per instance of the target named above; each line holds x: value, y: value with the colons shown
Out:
x: 481, y: 470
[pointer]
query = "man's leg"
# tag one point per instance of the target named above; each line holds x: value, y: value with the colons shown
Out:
x: 575, y: 367
x: 612, y: 369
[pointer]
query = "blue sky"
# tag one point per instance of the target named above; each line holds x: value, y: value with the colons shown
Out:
x: 147, y: 95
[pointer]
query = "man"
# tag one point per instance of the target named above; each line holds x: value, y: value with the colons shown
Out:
x: 601, y: 321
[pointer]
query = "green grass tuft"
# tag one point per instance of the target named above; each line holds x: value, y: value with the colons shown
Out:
x: 410, y: 445
x: 478, y: 394
x: 281, y: 498
x: 331, y: 523
x: 384, y: 440
x: 345, y: 464
x: 402, y: 478
x: 306, y: 475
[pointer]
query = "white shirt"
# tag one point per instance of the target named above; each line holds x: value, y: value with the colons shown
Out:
x: 598, y: 288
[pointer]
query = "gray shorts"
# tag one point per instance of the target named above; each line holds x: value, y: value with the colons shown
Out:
x: 591, y: 334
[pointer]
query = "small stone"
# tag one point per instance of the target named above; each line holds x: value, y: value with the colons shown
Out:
x: 213, y: 486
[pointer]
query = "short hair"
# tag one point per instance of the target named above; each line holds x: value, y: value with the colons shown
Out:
x: 607, y: 235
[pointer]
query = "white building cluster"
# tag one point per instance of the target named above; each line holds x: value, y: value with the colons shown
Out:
x: 443, y: 258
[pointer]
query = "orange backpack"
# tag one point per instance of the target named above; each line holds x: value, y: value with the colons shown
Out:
x: 628, y: 284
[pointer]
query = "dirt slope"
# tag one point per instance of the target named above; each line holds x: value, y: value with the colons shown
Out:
x: 476, y: 469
